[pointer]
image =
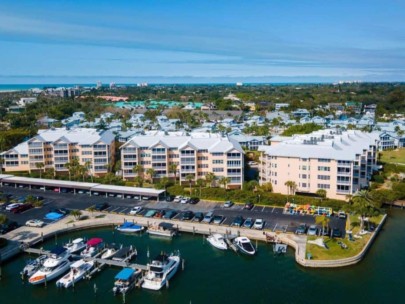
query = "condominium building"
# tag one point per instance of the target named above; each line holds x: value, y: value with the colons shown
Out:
x: 339, y: 162
x: 197, y: 154
x: 55, y: 147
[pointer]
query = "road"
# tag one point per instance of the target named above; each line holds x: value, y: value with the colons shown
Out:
x: 274, y: 218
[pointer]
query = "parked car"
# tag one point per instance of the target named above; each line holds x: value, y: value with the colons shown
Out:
x: 208, y: 217
x: 248, y: 223
x: 249, y: 206
x: 35, y: 223
x: 302, y: 229
x: 135, y: 210
x: 137, y: 197
x: 170, y: 198
x: 128, y: 196
x: 218, y: 219
x: 111, y: 194
x: 22, y: 208
x: 194, y: 200
x: 238, y: 221
x: 312, y: 230
x: 10, y: 207
x: 150, y: 213
x: 169, y: 214
x: 7, y: 227
x: 342, y: 214
x: 259, y: 224
x: 95, y: 193
x: 160, y: 214
x: 187, y: 216
x: 198, y: 217
x: 185, y: 200
x: 101, y: 206
x: 177, y: 199
x: 228, y: 204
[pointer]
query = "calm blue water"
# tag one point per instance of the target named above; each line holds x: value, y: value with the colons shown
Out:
x: 212, y: 276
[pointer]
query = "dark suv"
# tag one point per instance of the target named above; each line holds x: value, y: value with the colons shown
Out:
x: 238, y: 221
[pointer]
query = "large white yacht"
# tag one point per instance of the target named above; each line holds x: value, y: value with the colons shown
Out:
x: 55, y: 265
x: 217, y: 240
x: 161, y: 270
x: 77, y: 271
x: 33, y: 265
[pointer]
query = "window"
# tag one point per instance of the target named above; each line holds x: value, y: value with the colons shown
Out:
x: 100, y: 160
x: 217, y: 154
x: 202, y: 157
x: 145, y: 162
x: 173, y: 156
x: 203, y: 166
x: 234, y: 163
x: 159, y: 150
x: 323, y: 186
x: 101, y: 153
x: 87, y: 152
x: 217, y: 169
x: 217, y: 161
x: 322, y: 168
x: 99, y: 147
x: 187, y: 152
x: 234, y: 155
x: 324, y: 177
x: 324, y: 160
x: 203, y: 151
x: 145, y: 155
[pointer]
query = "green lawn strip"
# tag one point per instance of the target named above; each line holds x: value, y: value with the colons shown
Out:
x: 395, y: 156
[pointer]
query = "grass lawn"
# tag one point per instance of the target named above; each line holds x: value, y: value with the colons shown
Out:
x: 335, y: 251
x: 396, y: 156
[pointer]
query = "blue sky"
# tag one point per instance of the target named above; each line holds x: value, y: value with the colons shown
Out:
x: 196, y: 41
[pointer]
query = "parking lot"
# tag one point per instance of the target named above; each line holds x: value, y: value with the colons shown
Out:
x: 273, y: 217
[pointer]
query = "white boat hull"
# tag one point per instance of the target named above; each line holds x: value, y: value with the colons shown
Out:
x: 40, y: 277
x: 219, y: 244
x: 72, y: 278
x: 154, y: 284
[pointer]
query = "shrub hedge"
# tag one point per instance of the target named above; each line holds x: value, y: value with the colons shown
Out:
x: 266, y: 198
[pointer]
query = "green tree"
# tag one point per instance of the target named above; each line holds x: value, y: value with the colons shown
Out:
x: 210, y: 178
x: 291, y: 187
x: 76, y: 214
x: 323, y: 221
x: 173, y: 170
x: 321, y: 193
x: 190, y: 178
x: 40, y: 167
x: 138, y: 180
x: 138, y: 169
x: 200, y: 183
x: 224, y: 181
x: 151, y: 173
x: 3, y: 219
x: 364, y: 205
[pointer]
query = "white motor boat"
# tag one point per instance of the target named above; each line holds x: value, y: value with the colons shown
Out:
x: 76, y: 245
x: 163, y: 229
x: 93, y: 246
x: 77, y: 271
x: 125, y: 280
x: 54, y: 266
x: 33, y: 266
x: 161, y: 270
x: 244, y: 245
x: 217, y: 240
x: 109, y: 253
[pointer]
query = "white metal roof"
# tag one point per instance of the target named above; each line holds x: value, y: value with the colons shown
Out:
x: 127, y: 190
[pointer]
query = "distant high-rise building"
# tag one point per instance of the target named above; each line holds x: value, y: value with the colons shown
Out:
x: 142, y: 84
x: 239, y: 84
x: 99, y: 85
x: 113, y: 85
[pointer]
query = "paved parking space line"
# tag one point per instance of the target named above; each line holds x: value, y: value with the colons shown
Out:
x: 114, y: 210
x: 263, y: 209
x: 108, y: 208
x: 273, y: 209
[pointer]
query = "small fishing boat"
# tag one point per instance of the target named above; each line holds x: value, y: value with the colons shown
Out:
x: 77, y: 271
x: 217, y: 240
x: 76, y: 245
x: 109, y: 253
x: 93, y: 246
x: 129, y: 227
x: 33, y: 265
x: 56, y: 264
x: 163, y: 229
x: 244, y: 245
x: 124, y: 253
x: 125, y: 280
x: 161, y: 270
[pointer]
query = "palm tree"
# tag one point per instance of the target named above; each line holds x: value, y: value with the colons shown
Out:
x: 91, y: 209
x: 200, y: 183
x: 138, y: 180
x: 40, y: 166
x: 151, y: 172
x: 292, y: 187
x: 224, y: 181
x: 364, y: 205
x: 76, y: 214
x: 323, y: 221
x: 173, y: 169
x: 87, y: 164
x: 210, y: 178
x: 164, y: 182
x: 190, y: 178
x: 138, y: 169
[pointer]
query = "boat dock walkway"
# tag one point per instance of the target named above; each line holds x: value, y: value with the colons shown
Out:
x: 100, y: 262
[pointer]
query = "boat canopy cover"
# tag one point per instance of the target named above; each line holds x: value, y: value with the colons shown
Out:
x: 94, y: 241
x: 53, y: 216
x: 125, y: 274
x: 129, y: 225
x: 58, y: 250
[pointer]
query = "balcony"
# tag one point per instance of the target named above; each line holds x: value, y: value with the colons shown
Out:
x: 344, y: 174
x: 344, y: 182
x: 187, y: 170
